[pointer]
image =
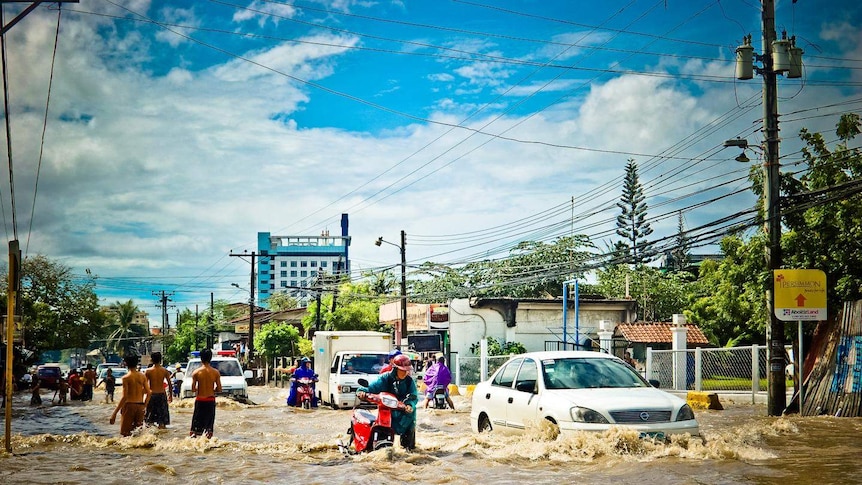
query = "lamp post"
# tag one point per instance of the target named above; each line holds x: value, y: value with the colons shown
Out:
x: 250, y: 321
x: 402, y: 333
x: 772, y: 225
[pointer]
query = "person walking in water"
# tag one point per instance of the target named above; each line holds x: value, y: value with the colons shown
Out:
x: 159, y: 380
x: 136, y: 393
x: 206, y: 383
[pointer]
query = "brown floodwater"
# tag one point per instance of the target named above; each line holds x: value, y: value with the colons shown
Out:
x: 269, y: 442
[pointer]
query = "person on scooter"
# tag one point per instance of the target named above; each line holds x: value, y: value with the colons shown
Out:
x: 398, y: 382
x: 304, y: 370
x: 438, y: 375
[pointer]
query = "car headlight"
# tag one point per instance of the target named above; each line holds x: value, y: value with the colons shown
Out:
x: 587, y: 415
x: 685, y: 413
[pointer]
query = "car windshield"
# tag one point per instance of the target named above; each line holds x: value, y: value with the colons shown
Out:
x: 585, y: 373
x: 117, y: 372
x: 363, y: 363
x: 225, y: 367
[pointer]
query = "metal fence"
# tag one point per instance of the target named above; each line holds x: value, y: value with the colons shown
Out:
x: 467, y: 370
x: 723, y: 369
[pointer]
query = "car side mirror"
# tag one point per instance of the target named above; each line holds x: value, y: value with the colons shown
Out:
x: 363, y: 382
x: 526, y: 386
x: 655, y: 383
x: 248, y: 374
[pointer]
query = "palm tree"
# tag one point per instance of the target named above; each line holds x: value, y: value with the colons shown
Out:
x: 123, y: 329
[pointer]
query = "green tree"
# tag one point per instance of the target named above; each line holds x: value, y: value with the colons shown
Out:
x: 277, y: 339
x: 280, y: 301
x: 659, y: 295
x: 823, y: 213
x: 60, y: 310
x: 189, y: 335
x: 728, y: 300
x: 358, y: 308
x: 632, y: 225
x: 123, y: 332
x: 496, y: 347
x: 679, y: 255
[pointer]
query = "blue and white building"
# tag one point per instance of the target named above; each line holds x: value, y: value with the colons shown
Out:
x: 293, y: 263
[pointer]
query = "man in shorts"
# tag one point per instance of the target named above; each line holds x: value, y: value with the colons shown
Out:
x: 206, y: 383
x: 136, y: 393
x: 159, y: 380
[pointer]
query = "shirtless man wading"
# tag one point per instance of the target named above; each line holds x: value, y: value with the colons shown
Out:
x: 206, y: 383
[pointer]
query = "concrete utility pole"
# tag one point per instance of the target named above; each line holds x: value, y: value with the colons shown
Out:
x: 777, y: 386
x: 164, y: 298
x: 403, y: 285
x: 250, y: 307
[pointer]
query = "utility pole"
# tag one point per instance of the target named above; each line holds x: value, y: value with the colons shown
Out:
x: 403, y: 285
x: 164, y: 298
x: 14, y: 280
x: 250, y: 306
x: 210, y: 322
x: 195, y: 342
x: 777, y: 386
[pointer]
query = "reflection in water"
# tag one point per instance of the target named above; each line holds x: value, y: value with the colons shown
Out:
x: 272, y: 443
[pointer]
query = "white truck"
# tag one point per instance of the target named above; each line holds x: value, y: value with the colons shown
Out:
x: 341, y: 358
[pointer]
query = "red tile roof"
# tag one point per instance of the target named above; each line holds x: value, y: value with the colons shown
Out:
x: 659, y: 333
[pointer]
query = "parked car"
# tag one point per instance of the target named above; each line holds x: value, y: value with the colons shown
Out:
x: 577, y: 391
x: 49, y: 376
x: 233, y: 379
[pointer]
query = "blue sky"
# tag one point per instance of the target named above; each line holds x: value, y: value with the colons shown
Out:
x: 178, y: 130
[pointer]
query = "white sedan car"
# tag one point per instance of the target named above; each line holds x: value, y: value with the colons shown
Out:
x: 577, y: 391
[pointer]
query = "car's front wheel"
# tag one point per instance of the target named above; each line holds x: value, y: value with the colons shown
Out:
x: 485, y: 424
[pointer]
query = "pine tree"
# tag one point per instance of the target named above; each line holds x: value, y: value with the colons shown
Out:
x: 679, y: 254
x: 631, y: 223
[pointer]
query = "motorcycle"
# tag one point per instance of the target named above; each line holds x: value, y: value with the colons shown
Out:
x: 304, y: 392
x: 369, y: 432
x: 439, y: 398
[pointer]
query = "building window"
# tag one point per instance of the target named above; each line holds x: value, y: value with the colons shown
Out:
x: 284, y: 284
x: 293, y: 264
x: 303, y: 264
x: 314, y: 264
x: 272, y: 286
x: 304, y: 284
x: 284, y: 264
x: 323, y: 264
x: 293, y: 274
x: 303, y: 273
x: 284, y: 274
x: 293, y: 283
x: 313, y: 273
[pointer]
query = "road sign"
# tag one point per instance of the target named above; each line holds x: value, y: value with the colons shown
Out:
x: 800, y: 294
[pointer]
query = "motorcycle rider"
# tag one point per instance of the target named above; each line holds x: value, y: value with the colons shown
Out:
x: 398, y: 382
x: 438, y: 375
x: 304, y: 370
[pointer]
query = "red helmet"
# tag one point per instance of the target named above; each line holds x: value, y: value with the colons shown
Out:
x: 402, y: 362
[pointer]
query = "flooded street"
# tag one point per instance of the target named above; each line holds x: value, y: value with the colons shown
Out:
x: 269, y: 442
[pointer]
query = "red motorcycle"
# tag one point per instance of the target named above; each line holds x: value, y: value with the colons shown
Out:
x: 304, y: 392
x: 369, y: 432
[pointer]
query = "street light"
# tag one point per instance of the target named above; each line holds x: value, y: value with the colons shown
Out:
x: 250, y: 322
x: 772, y: 226
x: 741, y: 143
x: 402, y: 333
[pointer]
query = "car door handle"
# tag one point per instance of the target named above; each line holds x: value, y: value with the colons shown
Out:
x: 488, y: 396
x: 510, y: 400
